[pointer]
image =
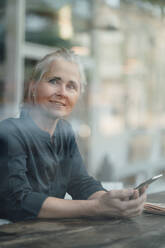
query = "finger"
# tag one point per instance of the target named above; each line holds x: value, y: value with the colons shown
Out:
x: 144, y: 197
x: 134, y: 207
x: 133, y: 211
x: 126, y: 198
x: 121, y: 194
x: 134, y: 203
x: 135, y: 194
x: 143, y: 189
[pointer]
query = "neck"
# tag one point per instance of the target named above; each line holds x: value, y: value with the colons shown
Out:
x: 43, y: 121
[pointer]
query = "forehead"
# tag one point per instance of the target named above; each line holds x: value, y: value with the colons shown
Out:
x: 63, y: 68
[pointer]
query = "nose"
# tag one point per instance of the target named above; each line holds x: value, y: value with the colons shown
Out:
x: 61, y: 90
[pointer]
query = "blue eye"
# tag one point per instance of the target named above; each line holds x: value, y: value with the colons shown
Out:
x: 53, y: 81
x: 72, y: 86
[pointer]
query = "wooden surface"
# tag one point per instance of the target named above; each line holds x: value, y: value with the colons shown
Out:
x: 146, y: 231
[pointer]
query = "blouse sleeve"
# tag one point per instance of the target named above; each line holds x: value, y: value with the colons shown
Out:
x: 81, y: 185
x: 18, y: 200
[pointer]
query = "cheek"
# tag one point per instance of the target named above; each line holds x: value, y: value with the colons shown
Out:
x: 73, y: 100
x: 42, y: 94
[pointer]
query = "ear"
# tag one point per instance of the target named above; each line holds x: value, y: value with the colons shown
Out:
x: 32, y: 86
x: 31, y: 91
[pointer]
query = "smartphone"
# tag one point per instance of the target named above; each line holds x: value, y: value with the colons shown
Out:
x: 146, y: 183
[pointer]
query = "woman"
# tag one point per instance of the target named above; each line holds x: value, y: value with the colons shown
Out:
x: 40, y: 160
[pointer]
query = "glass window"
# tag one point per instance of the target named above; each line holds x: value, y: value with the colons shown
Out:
x: 121, y: 45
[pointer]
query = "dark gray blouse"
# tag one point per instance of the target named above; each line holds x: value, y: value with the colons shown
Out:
x: 34, y: 166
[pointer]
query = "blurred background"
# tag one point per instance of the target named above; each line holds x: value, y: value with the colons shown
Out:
x: 120, y: 119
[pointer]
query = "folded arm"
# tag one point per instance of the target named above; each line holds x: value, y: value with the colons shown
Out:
x: 109, y: 204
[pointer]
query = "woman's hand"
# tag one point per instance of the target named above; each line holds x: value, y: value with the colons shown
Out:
x: 117, y: 203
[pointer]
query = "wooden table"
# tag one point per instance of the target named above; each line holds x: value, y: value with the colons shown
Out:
x: 146, y: 231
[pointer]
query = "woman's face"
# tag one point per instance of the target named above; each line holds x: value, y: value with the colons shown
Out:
x: 59, y: 88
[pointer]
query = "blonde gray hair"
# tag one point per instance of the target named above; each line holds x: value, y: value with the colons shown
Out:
x: 42, y: 67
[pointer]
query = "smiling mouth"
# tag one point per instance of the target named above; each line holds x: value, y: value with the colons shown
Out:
x: 59, y: 104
